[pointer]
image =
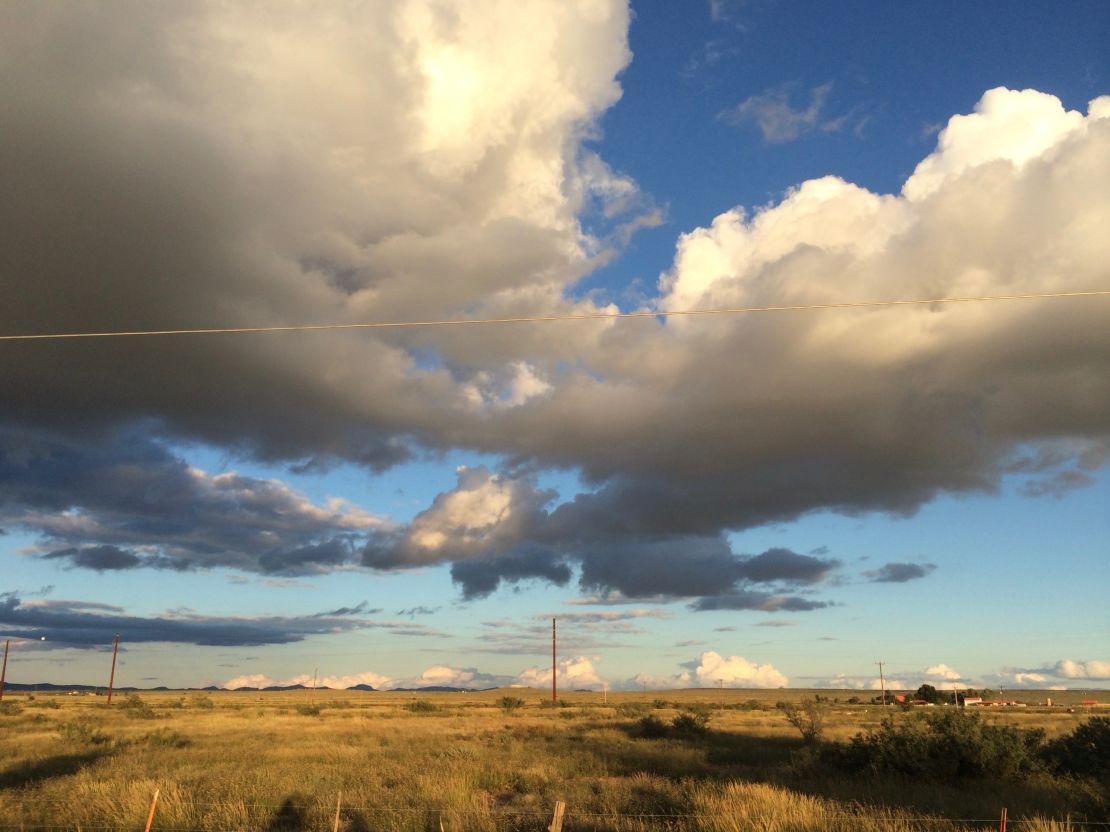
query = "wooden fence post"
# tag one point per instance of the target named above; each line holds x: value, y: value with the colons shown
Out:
x: 150, y: 817
x: 338, y: 803
x: 1002, y: 827
x: 557, y: 818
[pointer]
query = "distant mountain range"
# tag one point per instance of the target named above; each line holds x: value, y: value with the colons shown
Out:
x: 50, y: 687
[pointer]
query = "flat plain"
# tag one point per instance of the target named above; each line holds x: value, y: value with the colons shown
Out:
x: 491, y: 760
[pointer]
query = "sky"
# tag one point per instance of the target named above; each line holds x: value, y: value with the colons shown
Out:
x: 743, y: 500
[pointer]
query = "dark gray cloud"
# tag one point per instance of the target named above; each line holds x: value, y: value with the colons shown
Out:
x: 478, y: 578
x: 362, y: 608
x: 746, y: 599
x: 128, y: 502
x: 84, y: 624
x: 417, y: 610
x: 99, y: 558
x: 784, y: 565
x: 899, y: 573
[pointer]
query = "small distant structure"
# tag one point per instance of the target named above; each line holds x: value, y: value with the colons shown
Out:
x: 980, y: 702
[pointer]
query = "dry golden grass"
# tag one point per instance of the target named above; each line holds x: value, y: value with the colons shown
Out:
x: 273, y: 761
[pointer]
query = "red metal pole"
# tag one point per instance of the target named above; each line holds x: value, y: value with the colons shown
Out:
x: 4, y: 672
x: 112, y: 678
x: 553, y: 694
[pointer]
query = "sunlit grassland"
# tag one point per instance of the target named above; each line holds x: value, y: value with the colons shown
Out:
x: 281, y: 760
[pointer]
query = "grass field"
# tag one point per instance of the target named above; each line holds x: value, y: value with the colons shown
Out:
x: 458, y: 761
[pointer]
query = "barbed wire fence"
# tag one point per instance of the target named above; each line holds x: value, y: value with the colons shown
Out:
x: 288, y: 815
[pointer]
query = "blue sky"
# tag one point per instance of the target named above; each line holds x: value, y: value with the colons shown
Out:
x: 750, y: 500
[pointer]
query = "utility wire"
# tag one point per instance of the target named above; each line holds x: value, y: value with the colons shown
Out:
x: 597, y: 316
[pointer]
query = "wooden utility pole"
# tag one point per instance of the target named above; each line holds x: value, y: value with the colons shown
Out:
x: 4, y: 672
x: 112, y: 677
x: 554, y: 695
x: 882, y: 682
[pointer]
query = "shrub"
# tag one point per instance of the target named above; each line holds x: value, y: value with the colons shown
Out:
x: 10, y: 709
x: 510, y: 703
x: 422, y: 706
x: 947, y: 746
x: 651, y: 727
x: 136, y: 708
x: 808, y: 717
x: 631, y: 709
x: 82, y: 732
x: 1084, y: 752
x: 166, y: 738
x: 308, y: 710
x: 691, y: 723
x: 201, y: 700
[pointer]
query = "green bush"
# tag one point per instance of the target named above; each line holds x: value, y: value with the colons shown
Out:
x: 510, y: 703
x: 422, y: 706
x: 690, y: 724
x: 947, y: 746
x: 308, y: 710
x: 10, y: 709
x: 136, y: 708
x: 651, y: 727
x: 808, y: 716
x: 1084, y: 752
x: 83, y: 733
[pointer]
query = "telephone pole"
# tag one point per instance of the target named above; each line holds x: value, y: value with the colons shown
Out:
x: 112, y: 677
x: 882, y: 682
x: 554, y: 696
x: 4, y: 672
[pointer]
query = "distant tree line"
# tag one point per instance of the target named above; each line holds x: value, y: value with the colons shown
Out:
x: 928, y: 693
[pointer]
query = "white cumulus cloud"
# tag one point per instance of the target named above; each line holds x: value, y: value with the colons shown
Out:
x: 736, y: 671
x: 576, y: 672
x: 1072, y: 669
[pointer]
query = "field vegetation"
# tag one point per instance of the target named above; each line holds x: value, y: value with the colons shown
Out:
x: 499, y: 760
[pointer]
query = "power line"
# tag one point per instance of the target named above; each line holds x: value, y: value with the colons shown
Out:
x: 596, y: 316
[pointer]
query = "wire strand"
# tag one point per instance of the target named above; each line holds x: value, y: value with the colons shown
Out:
x: 598, y: 316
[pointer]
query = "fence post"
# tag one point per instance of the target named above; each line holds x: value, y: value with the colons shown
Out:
x: 557, y: 818
x: 150, y: 817
x: 338, y: 803
x: 1002, y: 827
